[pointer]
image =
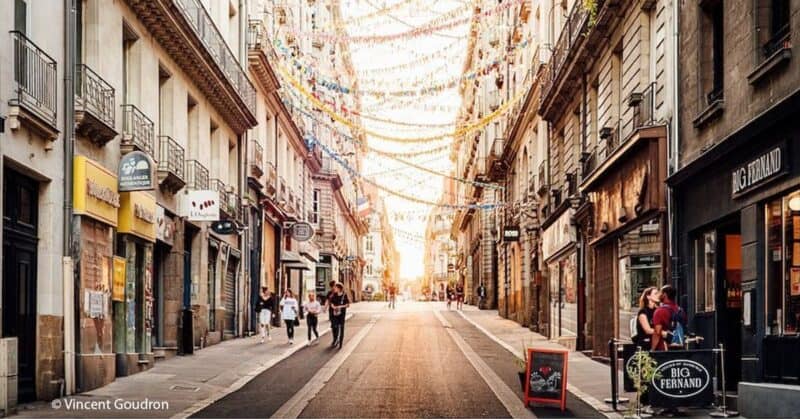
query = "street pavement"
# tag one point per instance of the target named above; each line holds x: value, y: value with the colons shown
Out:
x: 418, y: 360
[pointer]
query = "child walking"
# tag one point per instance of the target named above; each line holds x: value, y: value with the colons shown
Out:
x: 312, y: 308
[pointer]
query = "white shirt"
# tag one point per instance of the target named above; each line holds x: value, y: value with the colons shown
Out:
x: 312, y: 307
x: 288, y: 308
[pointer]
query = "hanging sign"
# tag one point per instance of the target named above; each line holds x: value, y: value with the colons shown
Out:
x: 200, y: 205
x: 136, y: 172
x: 757, y: 172
x: 165, y: 226
x: 224, y: 227
x: 546, y: 377
x: 302, y: 231
x: 683, y: 379
x: 511, y: 233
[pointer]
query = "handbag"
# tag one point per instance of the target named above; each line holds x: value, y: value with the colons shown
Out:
x: 296, y: 321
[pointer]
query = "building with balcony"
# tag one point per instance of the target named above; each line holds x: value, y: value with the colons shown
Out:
x: 440, y: 254
x: 161, y: 108
x: 36, y: 273
x: 608, y: 96
x: 378, y: 248
x: 735, y: 177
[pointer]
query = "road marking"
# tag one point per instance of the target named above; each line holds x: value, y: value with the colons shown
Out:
x: 202, y: 404
x: 597, y: 405
x: 510, y: 401
x: 295, y: 406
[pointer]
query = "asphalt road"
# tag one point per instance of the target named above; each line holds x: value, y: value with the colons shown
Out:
x: 394, y: 364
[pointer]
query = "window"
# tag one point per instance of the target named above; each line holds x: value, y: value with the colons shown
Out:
x: 368, y: 270
x: 315, y: 206
x: 368, y: 243
x: 712, y: 50
x: 783, y: 265
x: 705, y: 271
x: 773, y: 25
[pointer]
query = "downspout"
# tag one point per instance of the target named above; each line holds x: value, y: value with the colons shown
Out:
x: 243, y: 143
x: 70, y: 286
x: 673, y: 163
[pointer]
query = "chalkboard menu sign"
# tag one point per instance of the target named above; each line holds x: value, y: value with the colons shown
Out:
x: 546, y: 377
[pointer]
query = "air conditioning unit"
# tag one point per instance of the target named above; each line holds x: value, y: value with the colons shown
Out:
x: 8, y: 376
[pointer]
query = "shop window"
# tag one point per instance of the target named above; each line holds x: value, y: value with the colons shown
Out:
x: 705, y: 271
x: 783, y: 265
x: 639, y: 265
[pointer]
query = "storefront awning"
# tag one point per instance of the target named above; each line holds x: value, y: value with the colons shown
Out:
x: 292, y: 260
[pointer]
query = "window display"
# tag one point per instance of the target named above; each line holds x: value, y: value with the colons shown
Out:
x: 705, y: 271
x: 783, y: 265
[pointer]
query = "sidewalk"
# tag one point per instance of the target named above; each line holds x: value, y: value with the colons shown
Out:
x: 180, y: 385
x: 587, y: 379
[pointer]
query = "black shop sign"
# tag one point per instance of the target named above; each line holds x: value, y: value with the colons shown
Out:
x: 683, y: 378
x: 511, y: 233
x: 759, y: 171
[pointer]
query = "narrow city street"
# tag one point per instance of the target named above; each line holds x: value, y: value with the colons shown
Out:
x: 419, y: 360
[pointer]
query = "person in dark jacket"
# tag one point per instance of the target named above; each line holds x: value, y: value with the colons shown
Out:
x: 339, y: 303
x: 264, y: 312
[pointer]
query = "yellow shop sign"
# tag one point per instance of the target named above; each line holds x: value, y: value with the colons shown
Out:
x: 137, y: 215
x: 95, y: 190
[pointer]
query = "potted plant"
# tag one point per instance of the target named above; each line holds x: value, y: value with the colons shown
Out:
x: 642, y: 369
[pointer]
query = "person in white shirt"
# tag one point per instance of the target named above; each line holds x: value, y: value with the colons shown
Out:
x: 312, y: 308
x: 289, y: 313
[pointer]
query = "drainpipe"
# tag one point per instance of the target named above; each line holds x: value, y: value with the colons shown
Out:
x: 672, y: 166
x: 70, y: 285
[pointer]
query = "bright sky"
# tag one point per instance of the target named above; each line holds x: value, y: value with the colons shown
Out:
x: 408, y: 218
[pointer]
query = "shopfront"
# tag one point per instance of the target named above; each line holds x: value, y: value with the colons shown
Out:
x: 560, y: 256
x: 740, y: 251
x: 134, y: 316
x: 96, y: 201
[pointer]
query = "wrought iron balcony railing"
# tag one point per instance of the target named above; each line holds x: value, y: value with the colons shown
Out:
x: 138, y: 131
x: 215, y: 43
x: 196, y: 175
x: 225, y: 198
x: 644, y: 108
x: 571, y: 32
x: 170, y: 163
x: 36, y: 80
x: 256, y: 159
x: 94, y: 95
x: 258, y: 38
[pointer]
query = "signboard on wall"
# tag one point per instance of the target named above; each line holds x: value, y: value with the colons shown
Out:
x: 118, y: 279
x: 558, y: 235
x: 136, y: 172
x: 759, y: 171
x: 165, y: 226
x: 200, y: 205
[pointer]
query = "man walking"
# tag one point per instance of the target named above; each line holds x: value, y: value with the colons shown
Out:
x: 331, y: 292
x: 339, y: 304
x: 671, y: 318
x: 481, y: 295
x: 459, y: 296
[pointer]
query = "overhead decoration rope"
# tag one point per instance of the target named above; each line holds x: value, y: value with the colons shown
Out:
x: 354, y: 174
x: 422, y: 59
x: 442, y: 22
x: 501, y: 110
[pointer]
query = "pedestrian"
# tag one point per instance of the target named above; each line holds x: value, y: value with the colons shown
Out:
x: 643, y: 322
x: 481, y: 295
x: 289, y: 314
x: 459, y: 296
x: 449, y: 296
x: 669, y: 317
x: 392, y: 296
x: 331, y: 291
x: 312, y: 308
x: 264, y: 307
x: 339, y: 304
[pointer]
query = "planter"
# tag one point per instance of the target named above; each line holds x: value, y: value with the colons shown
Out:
x: 521, y: 380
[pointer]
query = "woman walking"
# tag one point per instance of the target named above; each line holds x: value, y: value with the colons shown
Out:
x: 289, y: 313
x: 264, y: 307
x: 312, y: 308
x: 339, y: 303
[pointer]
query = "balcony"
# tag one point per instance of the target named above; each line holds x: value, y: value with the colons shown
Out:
x: 226, y: 197
x: 644, y: 107
x: 271, y: 179
x: 35, y: 98
x: 196, y: 176
x: 497, y: 165
x: 260, y: 53
x: 94, y: 106
x: 171, y: 174
x: 186, y: 31
x: 256, y: 160
x: 577, y: 47
x: 138, y: 133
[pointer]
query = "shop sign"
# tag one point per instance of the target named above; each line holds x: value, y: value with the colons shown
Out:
x: 683, y: 378
x: 136, y: 172
x: 118, y: 279
x: 511, y: 233
x: 137, y: 215
x: 95, y: 191
x: 165, y: 226
x: 558, y: 235
x: 759, y: 171
x: 200, y: 205
x: 302, y: 231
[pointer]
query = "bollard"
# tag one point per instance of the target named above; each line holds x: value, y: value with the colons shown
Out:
x: 612, y: 352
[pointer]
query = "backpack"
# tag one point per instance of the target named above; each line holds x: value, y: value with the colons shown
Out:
x: 677, y: 326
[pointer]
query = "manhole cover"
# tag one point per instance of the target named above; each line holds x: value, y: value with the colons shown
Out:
x: 178, y: 387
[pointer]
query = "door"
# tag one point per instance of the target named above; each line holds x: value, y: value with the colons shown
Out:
x: 604, y: 309
x: 229, y: 296
x: 212, y: 288
x: 20, y: 218
x: 159, y: 259
x: 729, y: 301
